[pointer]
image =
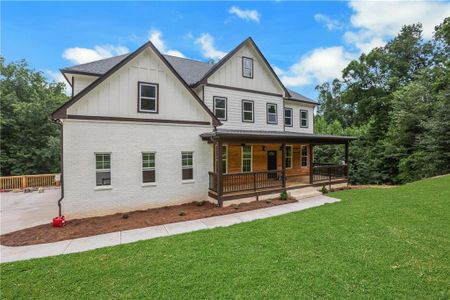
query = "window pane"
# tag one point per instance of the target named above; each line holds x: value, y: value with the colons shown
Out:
x: 248, y: 116
x: 103, y: 178
x: 272, y: 118
x: 246, y: 166
x: 187, y: 174
x: 248, y: 106
x: 287, y: 113
x: 220, y: 103
x: 220, y: 113
x: 271, y: 109
x: 148, y: 91
x: 148, y: 176
x: 148, y: 104
x: 248, y: 63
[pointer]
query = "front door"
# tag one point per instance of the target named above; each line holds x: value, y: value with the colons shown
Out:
x: 272, y: 163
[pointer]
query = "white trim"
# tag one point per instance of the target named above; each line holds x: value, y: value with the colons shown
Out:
x: 140, y: 84
x: 145, y: 184
x: 187, y: 181
x: 103, y: 188
x: 251, y: 158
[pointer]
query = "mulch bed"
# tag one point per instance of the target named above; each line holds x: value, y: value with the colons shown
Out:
x: 78, y: 228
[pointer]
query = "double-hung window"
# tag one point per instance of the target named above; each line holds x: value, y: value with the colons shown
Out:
x: 220, y: 108
x: 303, y: 118
x: 148, y: 167
x: 103, y: 169
x: 247, y: 67
x: 187, y: 165
x: 304, y: 156
x: 288, y: 157
x: 272, y: 117
x: 224, y: 159
x: 288, y: 117
x: 148, y: 97
x: 248, y: 111
x: 246, y: 158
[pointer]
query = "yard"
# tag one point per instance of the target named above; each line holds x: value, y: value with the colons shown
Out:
x: 376, y: 243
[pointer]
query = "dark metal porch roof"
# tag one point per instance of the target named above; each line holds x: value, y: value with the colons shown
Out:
x: 242, y: 136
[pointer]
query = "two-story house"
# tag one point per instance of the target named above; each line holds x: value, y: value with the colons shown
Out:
x: 145, y: 130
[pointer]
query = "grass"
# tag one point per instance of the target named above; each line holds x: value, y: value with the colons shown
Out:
x: 375, y: 244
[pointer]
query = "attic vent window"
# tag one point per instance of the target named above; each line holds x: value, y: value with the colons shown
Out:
x: 148, y: 97
x: 247, y: 67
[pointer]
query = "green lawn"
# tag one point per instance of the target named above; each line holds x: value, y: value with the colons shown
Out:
x: 376, y: 243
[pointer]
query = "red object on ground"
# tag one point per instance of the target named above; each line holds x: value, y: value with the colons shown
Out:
x: 58, y: 221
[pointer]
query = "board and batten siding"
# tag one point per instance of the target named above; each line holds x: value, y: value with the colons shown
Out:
x: 126, y: 141
x: 80, y: 82
x: 296, y: 107
x: 234, y: 109
x: 117, y: 96
x: 230, y: 73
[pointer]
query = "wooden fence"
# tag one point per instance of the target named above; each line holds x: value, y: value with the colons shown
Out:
x: 27, y: 181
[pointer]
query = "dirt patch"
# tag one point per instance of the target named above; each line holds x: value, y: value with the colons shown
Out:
x: 359, y: 187
x: 78, y: 228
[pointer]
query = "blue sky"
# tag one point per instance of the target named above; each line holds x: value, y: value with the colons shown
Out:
x: 306, y: 42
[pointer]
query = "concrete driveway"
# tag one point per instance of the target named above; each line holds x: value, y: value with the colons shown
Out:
x: 23, y: 210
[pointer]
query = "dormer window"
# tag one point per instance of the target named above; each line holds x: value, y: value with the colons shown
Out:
x: 148, y: 97
x: 247, y: 67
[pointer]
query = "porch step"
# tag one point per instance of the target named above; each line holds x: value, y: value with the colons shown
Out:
x: 305, y: 193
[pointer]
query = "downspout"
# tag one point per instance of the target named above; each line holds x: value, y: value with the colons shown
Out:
x: 61, y: 179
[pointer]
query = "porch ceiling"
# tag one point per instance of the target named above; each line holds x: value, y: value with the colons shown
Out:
x: 247, y: 136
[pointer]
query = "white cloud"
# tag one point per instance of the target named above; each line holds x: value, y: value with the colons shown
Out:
x: 375, y: 22
x: 206, y: 42
x: 330, y: 23
x: 245, y: 14
x: 319, y: 65
x: 155, y: 36
x: 78, y: 55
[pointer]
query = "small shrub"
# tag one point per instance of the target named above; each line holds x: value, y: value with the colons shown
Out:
x: 182, y: 213
x: 284, y: 195
x: 324, y: 190
x: 199, y: 203
x: 268, y: 201
x: 124, y: 216
x: 235, y: 206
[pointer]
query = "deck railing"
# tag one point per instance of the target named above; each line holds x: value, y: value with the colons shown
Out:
x: 329, y: 172
x: 26, y: 181
x: 251, y: 181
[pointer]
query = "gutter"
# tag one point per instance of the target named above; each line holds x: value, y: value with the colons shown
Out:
x: 61, y: 136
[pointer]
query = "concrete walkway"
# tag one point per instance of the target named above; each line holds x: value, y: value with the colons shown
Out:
x: 8, y: 254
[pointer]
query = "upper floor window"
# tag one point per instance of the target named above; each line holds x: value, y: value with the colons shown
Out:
x: 103, y: 169
x: 272, y: 117
x: 220, y: 108
x: 187, y: 165
x: 288, y: 117
x: 303, y: 118
x: 148, y: 167
x: 247, y: 67
x: 148, y: 97
x: 247, y: 111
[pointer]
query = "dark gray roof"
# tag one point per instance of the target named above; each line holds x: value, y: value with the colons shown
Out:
x: 276, y: 135
x: 190, y: 70
x: 299, y: 97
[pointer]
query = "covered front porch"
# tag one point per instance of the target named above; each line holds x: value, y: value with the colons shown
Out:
x: 253, y: 163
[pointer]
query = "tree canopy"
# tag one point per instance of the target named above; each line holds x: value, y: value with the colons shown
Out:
x: 396, y: 100
x: 29, y: 139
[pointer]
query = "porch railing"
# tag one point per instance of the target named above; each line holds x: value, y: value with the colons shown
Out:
x: 26, y: 181
x: 329, y: 172
x: 252, y: 181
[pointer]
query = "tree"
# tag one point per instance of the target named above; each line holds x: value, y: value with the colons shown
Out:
x: 29, y: 139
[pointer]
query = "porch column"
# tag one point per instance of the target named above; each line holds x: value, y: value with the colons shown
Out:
x: 219, y: 158
x: 311, y: 163
x: 346, y: 159
x: 283, y: 165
